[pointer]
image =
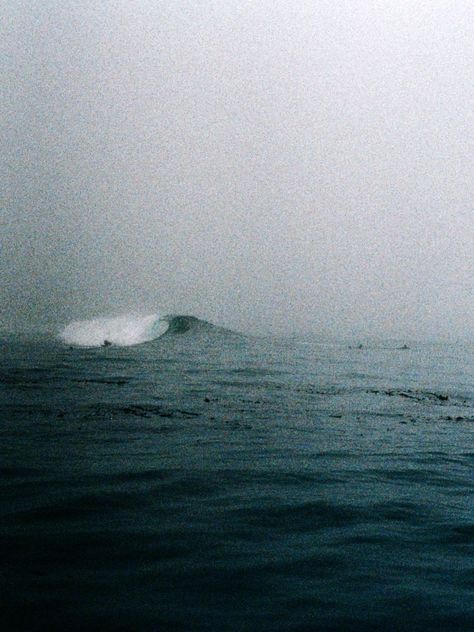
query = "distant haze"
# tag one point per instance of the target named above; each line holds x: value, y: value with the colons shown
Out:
x: 266, y: 165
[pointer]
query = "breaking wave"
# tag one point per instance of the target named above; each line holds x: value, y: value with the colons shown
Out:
x: 125, y: 331
x: 122, y: 331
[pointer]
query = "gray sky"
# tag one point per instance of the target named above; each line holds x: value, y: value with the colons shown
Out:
x: 266, y: 164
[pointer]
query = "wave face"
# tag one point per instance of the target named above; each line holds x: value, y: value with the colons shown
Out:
x: 181, y: 324
x: 122, y: 331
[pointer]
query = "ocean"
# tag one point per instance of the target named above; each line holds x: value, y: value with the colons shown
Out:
x: 209, y: 480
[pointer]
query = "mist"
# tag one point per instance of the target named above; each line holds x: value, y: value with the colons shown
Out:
x: 268, y: 166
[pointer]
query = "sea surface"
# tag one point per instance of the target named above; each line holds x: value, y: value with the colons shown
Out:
x: 207, y: 480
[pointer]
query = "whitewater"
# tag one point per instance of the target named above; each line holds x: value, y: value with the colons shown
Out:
x: 126, y: 330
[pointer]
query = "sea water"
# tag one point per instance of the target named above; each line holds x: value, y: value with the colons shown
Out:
x: 212, y: 481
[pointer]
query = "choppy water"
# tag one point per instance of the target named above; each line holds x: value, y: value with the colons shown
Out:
x: 208, y: 481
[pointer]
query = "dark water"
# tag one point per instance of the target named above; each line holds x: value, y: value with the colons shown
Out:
x: 207, y: 481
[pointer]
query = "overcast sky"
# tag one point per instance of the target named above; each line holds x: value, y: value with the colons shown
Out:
x: 265, y: 164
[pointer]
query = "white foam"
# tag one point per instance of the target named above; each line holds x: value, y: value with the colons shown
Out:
x: 121, y: 330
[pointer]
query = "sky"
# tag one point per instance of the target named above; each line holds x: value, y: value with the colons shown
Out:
x: 267, y: 165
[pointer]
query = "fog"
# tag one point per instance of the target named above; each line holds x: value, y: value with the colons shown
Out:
x: 267, y: 165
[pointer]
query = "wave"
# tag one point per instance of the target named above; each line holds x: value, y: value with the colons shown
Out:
x: 125, y: 331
